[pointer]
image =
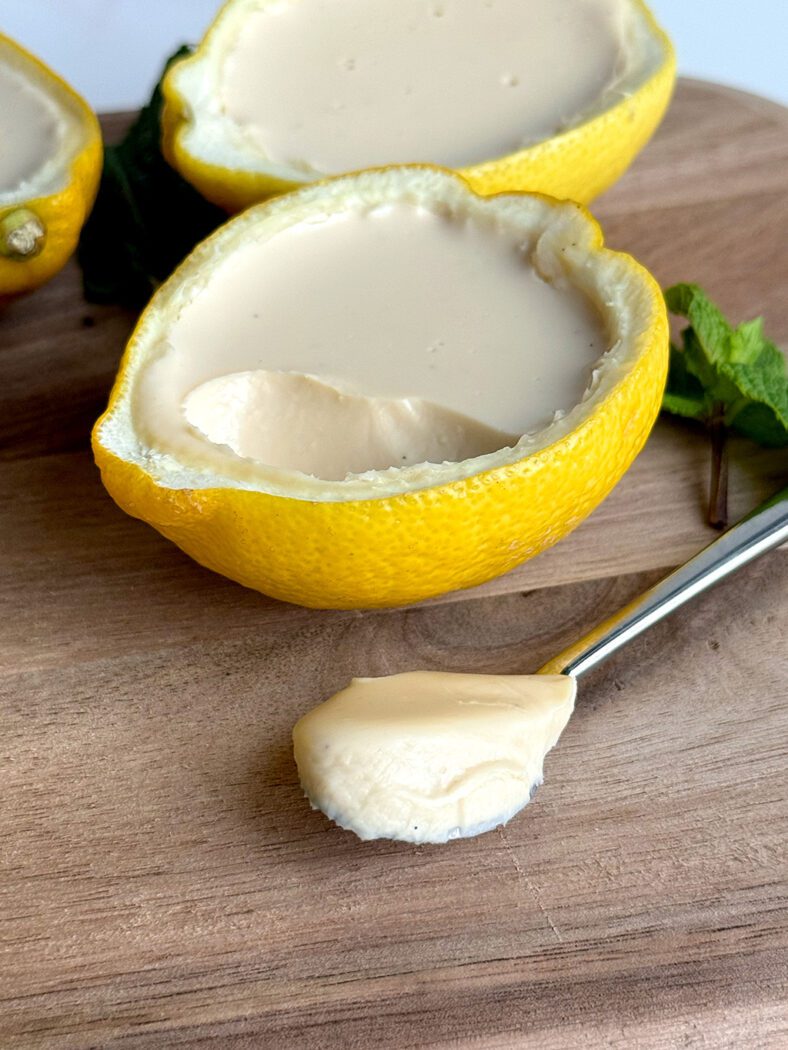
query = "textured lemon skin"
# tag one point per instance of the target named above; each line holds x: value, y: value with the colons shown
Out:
x: 62, y: 213
x: 577, y: 164
x: 401, y: 549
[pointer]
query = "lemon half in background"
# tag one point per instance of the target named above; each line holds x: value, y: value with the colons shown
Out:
x: 394, y: 536
x: 434, y: 96
x: 50, y: 163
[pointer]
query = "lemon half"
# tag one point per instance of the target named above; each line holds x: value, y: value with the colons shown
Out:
x: 584, y: 156
x: 391, y: 537
x: 51, y: 167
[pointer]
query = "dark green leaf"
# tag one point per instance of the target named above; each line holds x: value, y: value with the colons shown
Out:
x: 760, y: 424
x: 684, y: 393
x: 146, y: 218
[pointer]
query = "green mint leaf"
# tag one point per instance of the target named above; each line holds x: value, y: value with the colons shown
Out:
x: 758, y: 372
x: 146, y: 218
x: 684, y: 394
x: 736, y: 371
x: 706, y: 320
x: 748, y: 345
x: 761, y: 425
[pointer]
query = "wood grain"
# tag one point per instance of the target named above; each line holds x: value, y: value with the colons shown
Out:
x: 163, y: 882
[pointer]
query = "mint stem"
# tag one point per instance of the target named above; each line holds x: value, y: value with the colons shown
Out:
x: 718, y: 494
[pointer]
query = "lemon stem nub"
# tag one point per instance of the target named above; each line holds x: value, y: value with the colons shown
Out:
x: 22, y: 235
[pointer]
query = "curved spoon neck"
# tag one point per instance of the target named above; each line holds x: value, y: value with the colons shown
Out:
x: 761, y: 531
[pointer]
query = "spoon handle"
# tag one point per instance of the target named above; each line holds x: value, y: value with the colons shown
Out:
x: 759, y: 532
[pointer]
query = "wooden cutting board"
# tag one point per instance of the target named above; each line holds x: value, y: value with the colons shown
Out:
x: 163, y: 882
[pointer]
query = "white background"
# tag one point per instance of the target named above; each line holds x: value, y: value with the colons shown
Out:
x: 112, y: 50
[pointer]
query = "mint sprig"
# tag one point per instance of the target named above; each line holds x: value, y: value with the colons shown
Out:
x: 728, y: 379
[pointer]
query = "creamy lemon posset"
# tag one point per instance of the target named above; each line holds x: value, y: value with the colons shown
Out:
x: 429, y: 756
x: 379, y: 287
x: 370, y: 339
x: 333, y: 85
x: 29, y: 129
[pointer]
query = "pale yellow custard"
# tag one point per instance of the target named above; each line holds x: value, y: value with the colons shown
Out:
x: 372, y: 339
x: 335, y: 85
x: 429, y: 756
x: 29, y: 129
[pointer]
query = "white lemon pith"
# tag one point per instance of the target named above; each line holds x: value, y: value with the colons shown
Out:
x: 429, y: 756
x: 554, y: 96
x: 49, y: 169
x: 392, y: 536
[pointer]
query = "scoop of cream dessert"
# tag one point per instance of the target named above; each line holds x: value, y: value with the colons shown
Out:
x: 299, y: 422
x: 429, y: 756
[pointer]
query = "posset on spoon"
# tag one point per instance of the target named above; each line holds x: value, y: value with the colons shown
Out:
x: 428, y: 756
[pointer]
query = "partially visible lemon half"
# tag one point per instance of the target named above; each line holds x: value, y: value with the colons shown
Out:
x: 584, y: 154
x: 49, y: 170
x: 391, y: 537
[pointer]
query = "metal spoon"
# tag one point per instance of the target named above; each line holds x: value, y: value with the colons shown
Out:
x: 761, y: 531
x: 429, y: 756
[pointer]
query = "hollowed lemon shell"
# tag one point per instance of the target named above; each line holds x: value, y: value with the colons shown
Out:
x: 577, y: 164
x: 63, y: 207
x: 339, y: 544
